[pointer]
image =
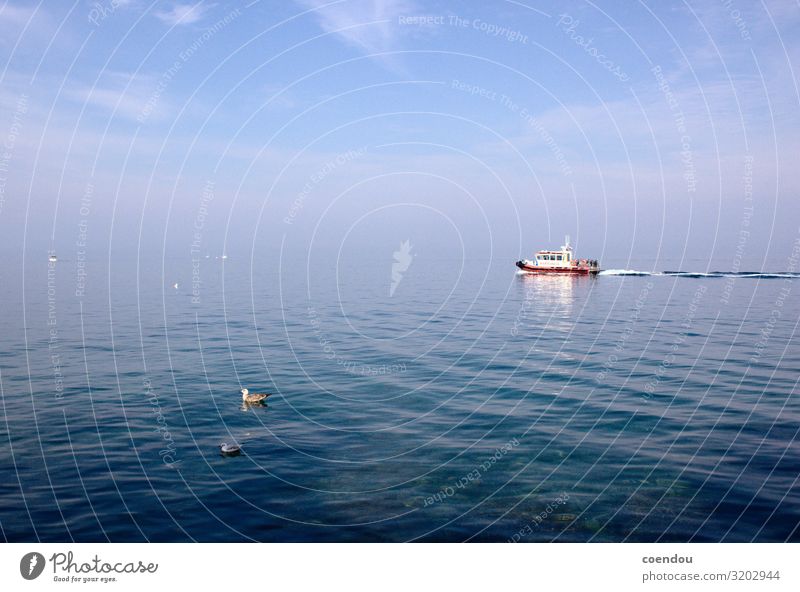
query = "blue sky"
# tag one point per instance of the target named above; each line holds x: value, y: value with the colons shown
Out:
x: 468, y: 128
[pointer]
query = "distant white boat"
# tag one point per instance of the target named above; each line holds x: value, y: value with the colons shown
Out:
x: 562, y: 261
x: 53, y: 258
x: 224, y: 256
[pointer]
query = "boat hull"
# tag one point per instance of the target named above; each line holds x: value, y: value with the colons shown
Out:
x: 542, y: 270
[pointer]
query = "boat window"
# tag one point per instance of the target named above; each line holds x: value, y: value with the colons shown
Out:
x: 558, y: 257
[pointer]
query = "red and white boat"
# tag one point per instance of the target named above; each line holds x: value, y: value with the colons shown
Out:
x: 562, y: 261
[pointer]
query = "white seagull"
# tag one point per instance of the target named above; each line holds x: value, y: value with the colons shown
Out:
x: 249, y: 397
x: 229, y: 449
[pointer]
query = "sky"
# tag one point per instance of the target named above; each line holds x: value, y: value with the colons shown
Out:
x: 642, y: 129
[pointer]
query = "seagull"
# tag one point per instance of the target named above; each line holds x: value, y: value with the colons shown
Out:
x: 229, y: 449
x: 249, y: 397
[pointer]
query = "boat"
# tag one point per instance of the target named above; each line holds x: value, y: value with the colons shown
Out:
x: 53, y: 258
x: 562, y: 261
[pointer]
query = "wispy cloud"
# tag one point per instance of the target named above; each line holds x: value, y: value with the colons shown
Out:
x: 368, y: 25
x: 14, y: 19
x: 120, y: 93
x: 18, y: 15
x: 183, y: 14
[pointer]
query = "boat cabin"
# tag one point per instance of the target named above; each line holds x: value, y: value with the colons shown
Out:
x: 562, y: 258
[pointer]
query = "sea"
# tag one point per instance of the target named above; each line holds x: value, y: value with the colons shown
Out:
x: 412, y: 399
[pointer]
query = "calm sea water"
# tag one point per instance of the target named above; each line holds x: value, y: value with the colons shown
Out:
x: 470, y: 404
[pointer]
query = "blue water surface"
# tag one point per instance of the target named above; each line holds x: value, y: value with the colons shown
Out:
x: 470, y: 403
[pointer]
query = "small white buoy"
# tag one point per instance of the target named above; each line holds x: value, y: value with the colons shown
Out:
x: 230, y: 449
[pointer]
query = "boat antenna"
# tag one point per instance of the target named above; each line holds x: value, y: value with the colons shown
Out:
x: 566, y: 242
